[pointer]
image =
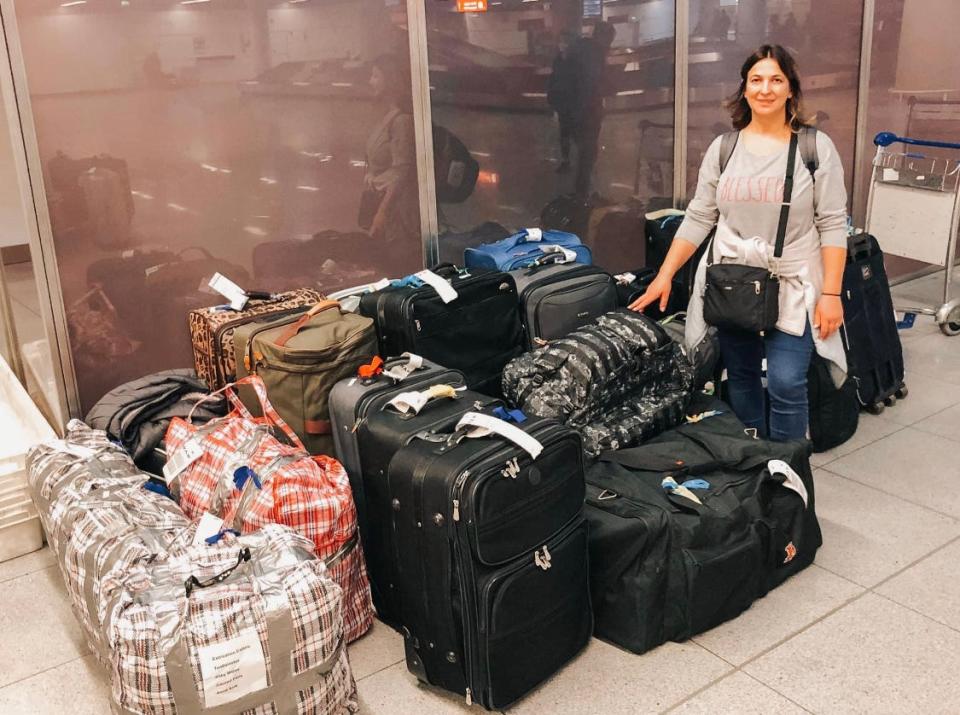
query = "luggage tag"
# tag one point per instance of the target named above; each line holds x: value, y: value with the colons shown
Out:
x: 402, y: 370
x: 209, y: 525
x: 625, y: 278
x: 232, y: 668
x: 480, y: 425
x: 74, y: 450
x: 407, y: 402
x: 534, y: 234
x: 231, y: 291
x: 792, y: 480
x: 184, y: 457
x: 568, y: 255
x: 443, y: 288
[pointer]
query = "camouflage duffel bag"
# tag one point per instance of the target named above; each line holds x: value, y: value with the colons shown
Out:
x: 618, y: 381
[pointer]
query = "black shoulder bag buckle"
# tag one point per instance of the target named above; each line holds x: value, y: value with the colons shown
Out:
x: 747, y: 298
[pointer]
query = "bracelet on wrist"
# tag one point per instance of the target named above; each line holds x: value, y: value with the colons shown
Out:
x: 835, y: 295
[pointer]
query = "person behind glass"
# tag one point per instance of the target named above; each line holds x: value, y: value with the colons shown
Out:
x: 561, y: 96
x: 389, y: 204
x: 589, y: 65
x: 743, y: 202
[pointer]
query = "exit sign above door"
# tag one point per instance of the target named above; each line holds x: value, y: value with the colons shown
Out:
x: 471, y: 5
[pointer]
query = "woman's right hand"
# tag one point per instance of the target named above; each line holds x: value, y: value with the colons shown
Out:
x: 659, y: 289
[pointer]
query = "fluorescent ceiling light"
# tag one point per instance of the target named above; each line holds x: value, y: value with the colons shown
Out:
x: 192, y: 2
x: 75, y: 2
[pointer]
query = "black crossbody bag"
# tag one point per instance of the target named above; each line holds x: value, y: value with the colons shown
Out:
x: 747, y: 298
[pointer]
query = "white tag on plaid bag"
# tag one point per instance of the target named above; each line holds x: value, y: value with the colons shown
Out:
x: 183, y: 458
x: 209, y: 525
x: 232, y: 668
x: 443, y: 288
x: 74, y: 450
x: 229, y: 290
x: 792, y: 479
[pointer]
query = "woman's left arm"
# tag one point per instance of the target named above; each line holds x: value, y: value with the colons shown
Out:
x: 830, y: 218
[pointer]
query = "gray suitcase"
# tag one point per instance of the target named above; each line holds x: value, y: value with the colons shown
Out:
x: 352, y: 398
x: 558, y: 298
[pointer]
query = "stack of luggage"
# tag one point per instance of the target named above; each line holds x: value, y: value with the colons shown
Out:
x: 497, y: 460
x: 161, y: 605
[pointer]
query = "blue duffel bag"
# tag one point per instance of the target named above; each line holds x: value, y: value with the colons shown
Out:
x: 531, y: 245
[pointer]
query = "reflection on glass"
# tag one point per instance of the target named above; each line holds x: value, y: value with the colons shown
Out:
x: 241, y: 137
x: 567, y: 106
x: 823, y: 37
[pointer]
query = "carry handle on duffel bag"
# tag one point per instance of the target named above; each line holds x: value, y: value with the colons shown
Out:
x: 193, y: 582
x: 296, y: 327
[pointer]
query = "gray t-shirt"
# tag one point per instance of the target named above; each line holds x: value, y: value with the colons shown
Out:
x: 750, y: 191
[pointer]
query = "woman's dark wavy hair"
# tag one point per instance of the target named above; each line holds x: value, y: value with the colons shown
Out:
x: 737, y: 105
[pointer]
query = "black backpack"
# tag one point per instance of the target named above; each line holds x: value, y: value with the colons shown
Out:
x: 455, y: 170
x: 834, y: 413
x: 807, y: 141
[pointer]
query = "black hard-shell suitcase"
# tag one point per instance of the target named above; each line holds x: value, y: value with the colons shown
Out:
x: 556, y: 299
x: 874, y: 353
x: 477, y: 333
x: 664, y: 567
x: 492, y: 547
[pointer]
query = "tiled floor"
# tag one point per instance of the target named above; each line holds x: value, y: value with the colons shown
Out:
x: 872, y: 627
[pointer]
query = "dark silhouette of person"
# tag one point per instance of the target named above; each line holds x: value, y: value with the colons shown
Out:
x: 589, y: 62
x: 561, y: 96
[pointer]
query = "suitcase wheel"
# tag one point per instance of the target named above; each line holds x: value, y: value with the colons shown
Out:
x: 875, y: 409
x: 902, y: 392
x: 951, y: 322
x: 890, y: 401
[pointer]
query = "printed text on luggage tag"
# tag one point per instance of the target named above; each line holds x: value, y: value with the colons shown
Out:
x: 232, y: 669
x: 443, y: 288
x: 487, y: 424
x: 229, y: 290
x: 184, y: 457
x: 793, y: 480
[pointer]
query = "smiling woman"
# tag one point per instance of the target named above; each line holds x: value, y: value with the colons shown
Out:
x: 783, y: 229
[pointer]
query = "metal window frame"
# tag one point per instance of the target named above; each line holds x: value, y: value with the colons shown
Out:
x: 863, y: 146
x: 681, y: 99
x: 33, y: 197
x: 423, y: 126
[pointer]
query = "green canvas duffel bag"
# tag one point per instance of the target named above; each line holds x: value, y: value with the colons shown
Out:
x: 300, y: 358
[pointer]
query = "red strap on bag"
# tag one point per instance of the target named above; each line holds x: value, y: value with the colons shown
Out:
x: 374, y: 368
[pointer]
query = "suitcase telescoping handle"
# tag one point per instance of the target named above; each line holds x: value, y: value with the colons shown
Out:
x: 193, y: 582
x: 295, y: 328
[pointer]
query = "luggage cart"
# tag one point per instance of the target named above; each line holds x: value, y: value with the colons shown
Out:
x: 913, y: 202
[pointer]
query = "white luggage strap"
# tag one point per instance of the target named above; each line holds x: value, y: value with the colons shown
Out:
x: 477, y: 425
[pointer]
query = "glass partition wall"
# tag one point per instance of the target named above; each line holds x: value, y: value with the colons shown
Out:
x: 177, y: 139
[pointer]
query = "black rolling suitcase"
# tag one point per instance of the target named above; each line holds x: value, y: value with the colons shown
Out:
x: 556, y: 299
x: 493, y: 556
x: 870, y: 337
x: 477, y: 332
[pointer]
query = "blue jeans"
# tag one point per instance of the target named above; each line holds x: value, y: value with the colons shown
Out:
x: 788, y: 359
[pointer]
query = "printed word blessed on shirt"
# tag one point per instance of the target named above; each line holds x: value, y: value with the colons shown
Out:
x: 750, y: 189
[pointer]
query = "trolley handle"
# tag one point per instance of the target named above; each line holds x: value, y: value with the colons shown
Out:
x: 888, y: 138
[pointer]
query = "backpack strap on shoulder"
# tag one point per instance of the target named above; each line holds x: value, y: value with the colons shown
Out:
x: 728, y: 142
x: 808, y: 150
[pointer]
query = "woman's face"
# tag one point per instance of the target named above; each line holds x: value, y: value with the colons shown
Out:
x: 767, y: 89
x: 377, y: 82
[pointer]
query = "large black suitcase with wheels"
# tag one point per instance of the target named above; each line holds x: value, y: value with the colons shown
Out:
x: 477, y: 333
x: 874, y: 353
x: 666, y: 563
x: 492, y: 549
x: 557, y: 299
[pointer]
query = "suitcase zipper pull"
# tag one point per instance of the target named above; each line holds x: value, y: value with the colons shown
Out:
x: 356, y: 425
x: 756, y: 287
x: 456, y: 510
x: 469, y: 697
x: 417, y: 323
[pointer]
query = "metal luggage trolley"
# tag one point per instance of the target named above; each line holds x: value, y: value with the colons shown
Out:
x: 913, y: 203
